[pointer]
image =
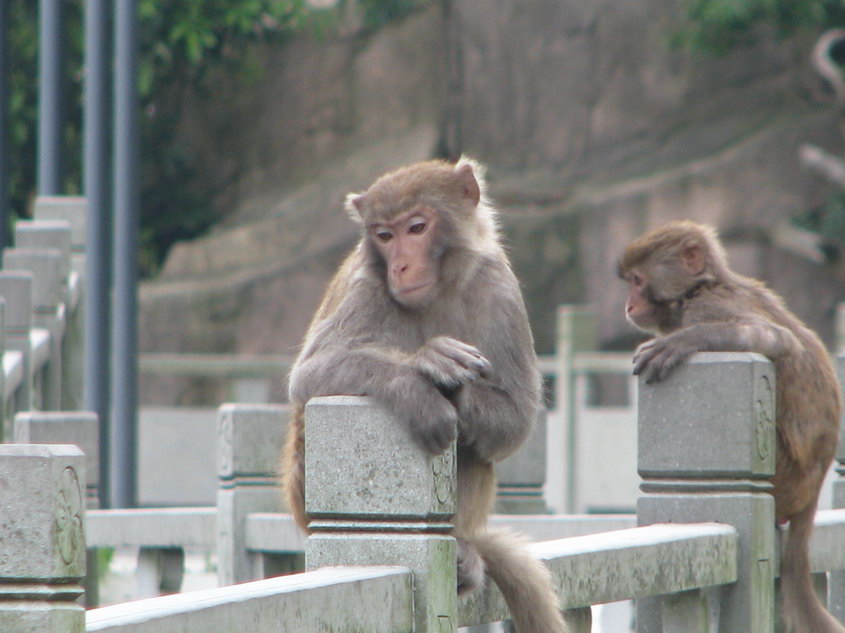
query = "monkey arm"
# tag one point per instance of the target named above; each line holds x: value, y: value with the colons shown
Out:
x: 492, y: 419
x: 386, y: 377
x: 497, y: 411
x: 654, y: 359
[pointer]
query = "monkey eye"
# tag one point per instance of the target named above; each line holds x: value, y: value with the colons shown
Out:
x: 417, y: 226
x: 637, y: 280
x: 383, y: 235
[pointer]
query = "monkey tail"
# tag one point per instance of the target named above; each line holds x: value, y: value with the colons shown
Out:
x: 803, y: 612
x: 293, y: 468
x: 524, y: 581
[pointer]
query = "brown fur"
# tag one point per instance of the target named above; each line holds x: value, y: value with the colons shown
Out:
x: 459, y: 355
x: 682, y: 289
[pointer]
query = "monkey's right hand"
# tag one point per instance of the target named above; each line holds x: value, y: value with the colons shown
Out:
x: 431, y: 417
x: 450, y: 363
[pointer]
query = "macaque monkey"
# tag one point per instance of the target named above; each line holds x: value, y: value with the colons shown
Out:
x: 682, y: 290
x: 426, y: 317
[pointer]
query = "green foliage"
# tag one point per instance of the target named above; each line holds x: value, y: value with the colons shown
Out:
x: 377, y: 13
x: 715, y: 26
x: 181, y: 41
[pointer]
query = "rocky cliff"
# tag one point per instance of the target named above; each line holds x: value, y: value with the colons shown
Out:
x: 592, y: 128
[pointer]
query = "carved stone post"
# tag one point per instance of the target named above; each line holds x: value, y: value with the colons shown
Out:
x: 376, y: 498
x: 57, y: 235
x: 80, y: 428
x: 249, y: 444
x: 42, y: 542
x: 706, y: 453
x: 522, y: 475
x: 576, y: 332
x: 72, y: 210
x: 47, y: 311
x: 16, y: 291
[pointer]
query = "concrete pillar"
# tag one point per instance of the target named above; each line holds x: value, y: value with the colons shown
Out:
x: 65, y: 427
x: 73, y: 210
x: 47, y: 312
x: 249, y: 444
x: 576, y: 332
x: 42, y: 540
x: 522, y: 475
x: 80, y: 428
x: 706, y: 453
x: 376, y: 498
x: 16, y: 291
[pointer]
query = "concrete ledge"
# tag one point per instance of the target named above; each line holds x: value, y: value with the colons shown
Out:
x: 329, y: 599
x: 622, y: 565
x: 152, y: 527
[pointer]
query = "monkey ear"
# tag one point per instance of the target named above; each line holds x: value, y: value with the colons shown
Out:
x: 466, y: 174
x: 693, y: 258
x: 354, y: 206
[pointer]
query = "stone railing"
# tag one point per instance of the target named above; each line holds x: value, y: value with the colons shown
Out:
x: 382, y: 559
x: 41, y: 335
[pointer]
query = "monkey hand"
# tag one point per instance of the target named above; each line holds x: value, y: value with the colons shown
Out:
x: 654, y: 359
x: 431, y: 417
x: 450, y: 363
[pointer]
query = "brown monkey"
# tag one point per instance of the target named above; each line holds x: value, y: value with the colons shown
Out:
x: 682, y: 290
x: 426, y: 316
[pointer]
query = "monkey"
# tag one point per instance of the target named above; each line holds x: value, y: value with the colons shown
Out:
x: 426, y: 316
x: 681, y: 288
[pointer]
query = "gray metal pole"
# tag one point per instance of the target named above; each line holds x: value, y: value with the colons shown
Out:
x: 124, y: 325
x: 5, y: 95
x: 50, y: 98
x: 98, y: 243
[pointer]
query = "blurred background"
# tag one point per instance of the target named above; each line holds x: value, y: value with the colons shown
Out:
x: 596, y: 119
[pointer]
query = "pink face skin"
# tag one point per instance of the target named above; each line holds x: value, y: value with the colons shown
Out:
x: 406, y: 245
x: 637, y: 309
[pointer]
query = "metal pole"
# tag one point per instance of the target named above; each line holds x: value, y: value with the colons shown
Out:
x: 50, y: 98
x: 98, y: 239
x: 124, y: 332
x: 5, y: 95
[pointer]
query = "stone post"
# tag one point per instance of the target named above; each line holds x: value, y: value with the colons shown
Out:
x: 522, y: 475
x: 376, y: 498
x: 706, y: 453
x: 836, y: 587
x: 57, y: 235
x: 80, y: 428
x: 576, y: 332
x: 47, y: 311
x: 74, y: 211
x: 16, y: 291
x: 42, y: 542
x: 249, y: 444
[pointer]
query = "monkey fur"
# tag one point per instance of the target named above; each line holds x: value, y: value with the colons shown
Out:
x: 426, y: 316
x: 682, y: 290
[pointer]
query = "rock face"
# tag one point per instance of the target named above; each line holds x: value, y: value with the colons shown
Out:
x: 592, y: 128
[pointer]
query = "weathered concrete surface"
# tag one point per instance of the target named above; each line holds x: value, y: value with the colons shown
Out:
x: 339, y: 600
x: 42, y: 538
x: 623, y: 564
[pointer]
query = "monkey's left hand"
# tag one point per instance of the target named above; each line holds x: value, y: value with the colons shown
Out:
x: 654, y: 359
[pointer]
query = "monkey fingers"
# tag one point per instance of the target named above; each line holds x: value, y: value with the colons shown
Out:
x: 449, y: 363
x: 654, y: 359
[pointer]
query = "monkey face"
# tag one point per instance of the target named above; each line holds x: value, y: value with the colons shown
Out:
x: 409, y: 249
